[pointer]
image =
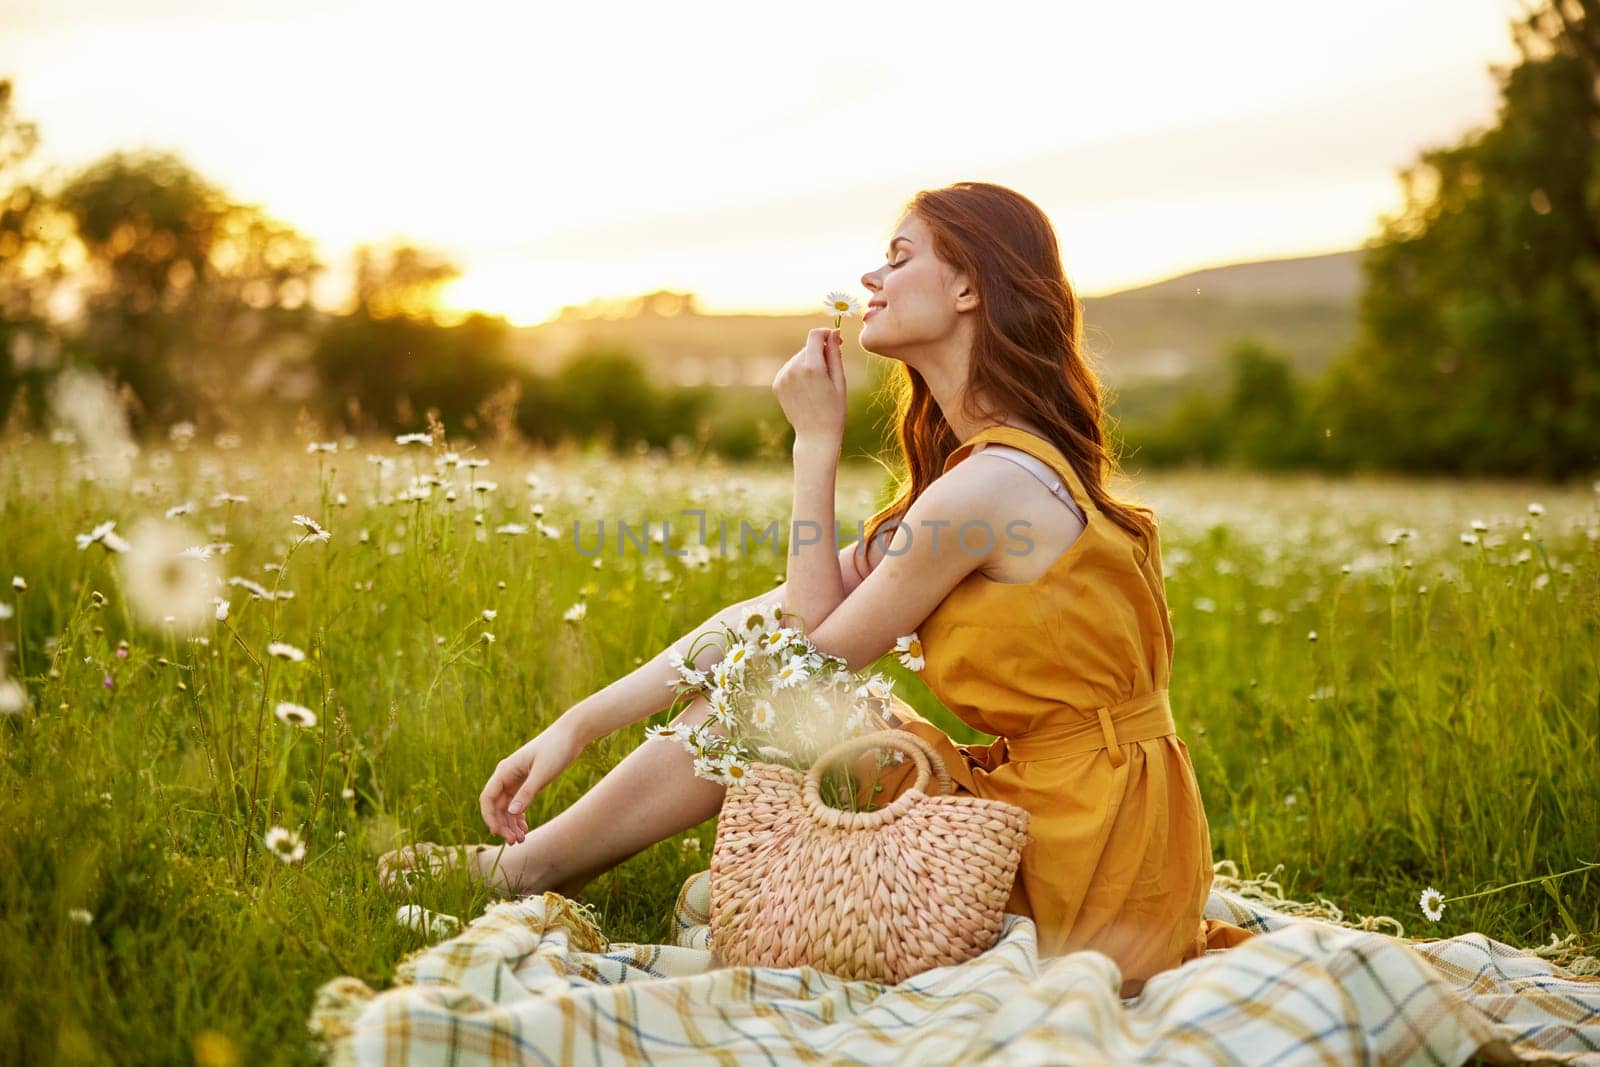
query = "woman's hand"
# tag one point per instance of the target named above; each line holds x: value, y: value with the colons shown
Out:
x: 811, y: 388
x: 521, y: 775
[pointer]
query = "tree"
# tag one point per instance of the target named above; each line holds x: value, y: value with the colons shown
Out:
x: 190, y: 297
x: 1479, y: 349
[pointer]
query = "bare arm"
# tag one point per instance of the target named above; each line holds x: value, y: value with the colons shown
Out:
x: 815, y: 585
x: 645, y: 691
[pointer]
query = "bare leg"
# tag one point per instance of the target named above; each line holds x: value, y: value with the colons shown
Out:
x: 647, y: 797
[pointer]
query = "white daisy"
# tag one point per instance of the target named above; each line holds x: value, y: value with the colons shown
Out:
x: 255, y: 589
x: 793, y: 672
x: 909, y: 649
x: 292, y: 714
x: 1535, y: 509
x: 841, y: 303
x: 414, y: 439
x: 511, y: 529
x: 489, y: 614
x: 314, y: 530
x: 775, y: 752
x: 763, y: 714
x: 577, y: 612
x: 1432, y: 904
x: 103, y: 534
x: 81, y: 916
x: 161, y: 580
x: 284, y: 650
x: 179, y: 510
x: 689, y: 675
x: 285, y: 844
x: 321, y: 446
x: 19, y: 583
x: 222, y: 608
x: 735, y: 772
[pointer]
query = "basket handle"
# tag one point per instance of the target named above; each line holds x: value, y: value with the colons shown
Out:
x: 929, y: 768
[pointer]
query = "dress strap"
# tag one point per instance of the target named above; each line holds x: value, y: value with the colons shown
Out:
x: 1034, y: 445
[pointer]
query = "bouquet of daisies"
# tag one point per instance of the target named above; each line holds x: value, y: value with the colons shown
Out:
x: 775, y: 699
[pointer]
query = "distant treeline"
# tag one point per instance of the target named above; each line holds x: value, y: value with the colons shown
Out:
x: 1478, y: 349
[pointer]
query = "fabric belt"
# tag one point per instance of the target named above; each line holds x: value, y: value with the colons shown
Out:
x: 1144, y: 718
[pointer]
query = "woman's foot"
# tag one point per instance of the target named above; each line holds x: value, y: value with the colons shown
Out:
x: 507, y: 871
x: 399, y: 870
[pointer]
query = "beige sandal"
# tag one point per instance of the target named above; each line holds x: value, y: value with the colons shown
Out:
x: 400, y: 869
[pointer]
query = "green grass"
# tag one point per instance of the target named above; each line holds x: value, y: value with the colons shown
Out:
x: 1441, y: 729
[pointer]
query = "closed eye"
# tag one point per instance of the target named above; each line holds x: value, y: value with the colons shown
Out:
x: 899, y: 264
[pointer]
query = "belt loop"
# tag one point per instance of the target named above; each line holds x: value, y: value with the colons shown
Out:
x: 1110, y: 735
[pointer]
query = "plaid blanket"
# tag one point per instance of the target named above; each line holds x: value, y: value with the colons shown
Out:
x: 536, y: 981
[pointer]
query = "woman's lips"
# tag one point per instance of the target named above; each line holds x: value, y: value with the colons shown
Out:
x: 869, y: 312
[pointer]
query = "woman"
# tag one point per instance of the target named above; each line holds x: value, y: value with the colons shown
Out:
x: 1037, y: 596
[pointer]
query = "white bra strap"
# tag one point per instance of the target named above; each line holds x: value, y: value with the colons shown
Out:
x: 1053, y: 482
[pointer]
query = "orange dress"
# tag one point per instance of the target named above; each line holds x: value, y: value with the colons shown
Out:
x: 1070, y: 671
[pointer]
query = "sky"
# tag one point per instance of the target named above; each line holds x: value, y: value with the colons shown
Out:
x: 757, y: 154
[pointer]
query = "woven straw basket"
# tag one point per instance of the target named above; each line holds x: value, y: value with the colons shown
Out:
x: 877, y: 895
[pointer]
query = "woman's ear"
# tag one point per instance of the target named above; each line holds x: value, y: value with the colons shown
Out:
x: 966, y: 293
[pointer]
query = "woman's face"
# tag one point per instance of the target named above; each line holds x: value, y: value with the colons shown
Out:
x: 915, y: 297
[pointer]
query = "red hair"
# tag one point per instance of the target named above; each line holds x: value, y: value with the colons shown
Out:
x: 1028, y: 355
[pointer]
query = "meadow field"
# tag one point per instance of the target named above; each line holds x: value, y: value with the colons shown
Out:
x: 1385, y: 685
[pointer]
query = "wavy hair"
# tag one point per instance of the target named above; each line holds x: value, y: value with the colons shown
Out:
x: 1027, y: 358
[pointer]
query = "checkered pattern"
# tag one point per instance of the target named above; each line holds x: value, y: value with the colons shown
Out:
x: 536, y: 981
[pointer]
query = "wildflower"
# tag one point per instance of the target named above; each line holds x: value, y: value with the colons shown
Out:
x: 705, y: 767
x: 691, y: 675
x: 222, y: 607
x: 255, y: 589
x: 104, y: 534
x: 162, y: 581
x: 13, y: 698
x: 314, y: 531
x: 1432, y: 903
x: 321, y: 446
x: 576, y: 612
x: 81, y: 916
x: 197, y: 552
x: 666, y: 732
x: 1312, y: 636
x: 840, y: 305
x: 20, y: 584
x: 489, y: 614
x: 285, y: 844
x: 228, y: 498
x: 414, y: 439
x: 1535, y: 509
x: 488, y: 637
x: 179, y: 510
x: 284, y: 650
x: 758, y: 622
x: 1205, y: 604
x: 485, y: 487
x: 1479, y: 526
x: 691, y: 844
x: 295, y: 714
x: 909, y: 648
x: 793, y: 672
x: 775, y: 752
x: 763, y: 716
x: 1469, y: 539
x: 511, y: 529
x: 734, y: 771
